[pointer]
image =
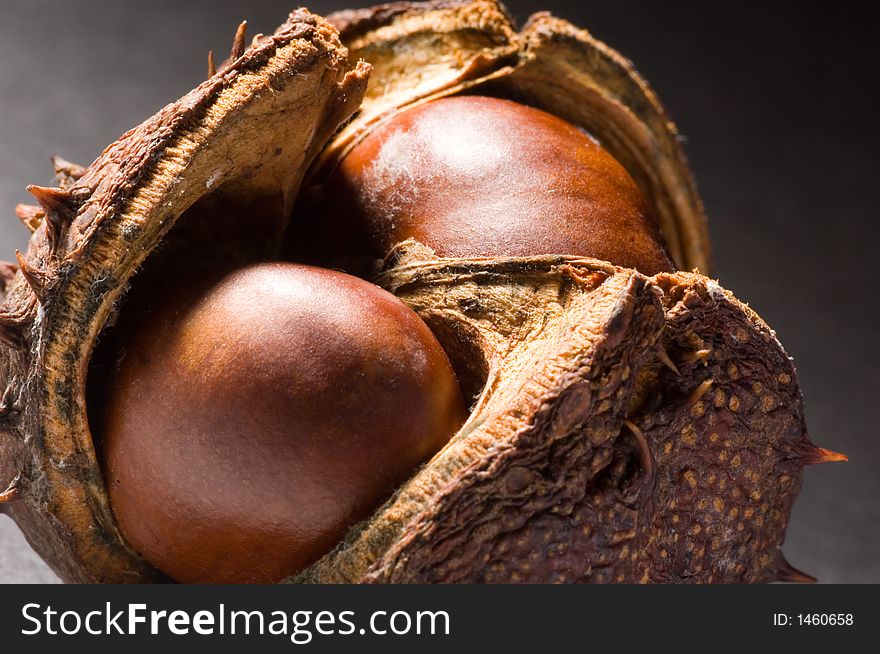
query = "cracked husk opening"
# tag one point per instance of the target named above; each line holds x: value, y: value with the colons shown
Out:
x: 624, y: 428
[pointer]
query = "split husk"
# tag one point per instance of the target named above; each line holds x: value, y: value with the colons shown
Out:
x: 623, y: 428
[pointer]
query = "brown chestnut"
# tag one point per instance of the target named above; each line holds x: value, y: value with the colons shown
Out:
x: 255, y: 415
x: 480, y: 176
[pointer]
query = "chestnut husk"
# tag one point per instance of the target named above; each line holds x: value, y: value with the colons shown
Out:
x: 624, y: 428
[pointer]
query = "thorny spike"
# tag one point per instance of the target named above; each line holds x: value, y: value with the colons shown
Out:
x: 238, y: 42
x: 666, y: 361
x: 36, y: 278
x: 58, y: 204
x: 700, y: 391
x: 60, y: 208
x: 786, y: 572
x: 12, y: 492
x: 30, y: 215
x: 644, y: 450
x: 66, y: 169
x: 822, y: 455
x: 212, y: 69
x: 54, y: 200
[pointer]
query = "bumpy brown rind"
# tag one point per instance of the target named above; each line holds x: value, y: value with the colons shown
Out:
x: 587, y: 459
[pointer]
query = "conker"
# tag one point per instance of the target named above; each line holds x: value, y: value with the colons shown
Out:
x: 480, y: 176
x: 257, y: 414
x: 629, y: 429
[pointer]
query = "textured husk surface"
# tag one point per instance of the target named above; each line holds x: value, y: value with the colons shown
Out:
x: 624, y: 428
x: 589, y: 457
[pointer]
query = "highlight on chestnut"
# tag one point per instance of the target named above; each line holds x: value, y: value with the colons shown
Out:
x: 253, y: 416
x: 476, y: 176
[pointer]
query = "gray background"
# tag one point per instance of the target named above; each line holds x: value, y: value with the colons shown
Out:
x: 776, y: 101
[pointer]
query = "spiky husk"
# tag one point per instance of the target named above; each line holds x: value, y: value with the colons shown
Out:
x: 624, y: 428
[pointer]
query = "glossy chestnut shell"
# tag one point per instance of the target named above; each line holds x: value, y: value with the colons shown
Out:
x: 256, y: 414
x: 481, y: 176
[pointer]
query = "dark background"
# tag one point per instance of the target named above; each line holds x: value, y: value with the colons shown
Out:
x: 777, y: 104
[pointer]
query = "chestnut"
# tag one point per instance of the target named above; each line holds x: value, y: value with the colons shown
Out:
x: 256, y: 414
x: 480, y: 176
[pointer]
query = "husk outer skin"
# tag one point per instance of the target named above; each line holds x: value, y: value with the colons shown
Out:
x: 568, y: 453
x: 586, y: 459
